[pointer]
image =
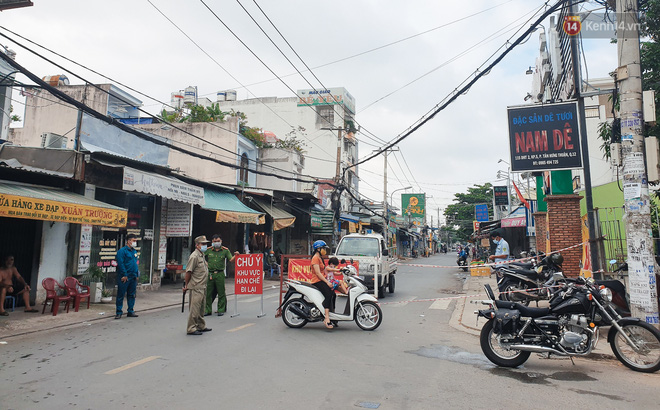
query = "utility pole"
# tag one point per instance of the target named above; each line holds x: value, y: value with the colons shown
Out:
x: 338, y: 171
x: 386, y: 235
x: 584, y: 146
x: 641, y: 264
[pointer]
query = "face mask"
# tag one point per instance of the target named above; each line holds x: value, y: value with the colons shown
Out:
x: 130, y: 244
x: 203, y: 248
x: 495, y: 241
x: 217, y: 245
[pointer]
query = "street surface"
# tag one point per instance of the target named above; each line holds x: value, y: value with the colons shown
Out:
x: 415, y: 360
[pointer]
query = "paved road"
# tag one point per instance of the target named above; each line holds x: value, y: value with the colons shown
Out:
x: 415, y: 360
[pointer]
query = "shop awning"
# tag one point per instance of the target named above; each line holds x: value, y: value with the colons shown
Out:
x: 163, y: 186
x: 322, y: 222
x: 349, y: 218
x: 56, y: 205
x: 230, y: 209
x: 281, y: 218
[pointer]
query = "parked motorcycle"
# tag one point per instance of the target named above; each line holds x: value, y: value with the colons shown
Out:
x: 303, y: 303
x: 569, y: 327
x: 517, y: 278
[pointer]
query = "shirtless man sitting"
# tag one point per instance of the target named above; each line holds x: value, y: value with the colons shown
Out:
x: 8, y: 272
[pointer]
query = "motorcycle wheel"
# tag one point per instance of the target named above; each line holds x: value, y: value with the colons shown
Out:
x: 647, y: 338
x: 495, y: 353
x: 506, y: 292
x: 291, y: 318
x: 368, y: 315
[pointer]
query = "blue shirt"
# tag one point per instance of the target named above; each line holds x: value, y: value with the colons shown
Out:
x: 127, y: 263
x: 502, y: 249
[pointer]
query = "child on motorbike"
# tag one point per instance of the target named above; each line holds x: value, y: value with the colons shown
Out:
x: 330, y: 275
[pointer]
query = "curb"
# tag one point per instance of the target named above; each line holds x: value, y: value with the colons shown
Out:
x: 95, y: 319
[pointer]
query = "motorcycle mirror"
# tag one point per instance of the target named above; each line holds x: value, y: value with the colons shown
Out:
x: 613, y: 262
x: 342, y: 261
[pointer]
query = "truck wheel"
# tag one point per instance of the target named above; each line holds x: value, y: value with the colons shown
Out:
x: 390, y: 286
x: 381, y: 291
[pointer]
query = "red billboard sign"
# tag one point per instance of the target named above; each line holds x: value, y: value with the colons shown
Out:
x: 249, y: 274
x: 301, y: 270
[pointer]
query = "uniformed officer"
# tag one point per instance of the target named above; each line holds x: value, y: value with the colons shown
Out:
x: 197, y: 272
x: 217, y: 257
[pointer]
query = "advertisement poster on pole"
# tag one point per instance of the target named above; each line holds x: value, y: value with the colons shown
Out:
x: 544, y: 137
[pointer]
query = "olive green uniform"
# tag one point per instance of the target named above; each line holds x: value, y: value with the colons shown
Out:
x: 199, y: 270
x: 217, y: 261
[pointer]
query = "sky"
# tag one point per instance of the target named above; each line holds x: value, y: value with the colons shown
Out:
x: 132, y: 42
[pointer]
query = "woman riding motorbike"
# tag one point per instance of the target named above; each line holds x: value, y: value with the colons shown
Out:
x: 319, y: 279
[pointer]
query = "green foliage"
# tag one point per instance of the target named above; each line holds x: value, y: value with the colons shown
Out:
x: 462, y: 212
x: 293, y: 141
x: 196, y: 113
x: 170, y: 117
x: 650, y: 61
x: 650, y: 57
x: 13, y: 118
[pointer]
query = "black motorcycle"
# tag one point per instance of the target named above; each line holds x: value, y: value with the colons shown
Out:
x: 461, y: 261
x: 569, y: 327
x: 523, y: 282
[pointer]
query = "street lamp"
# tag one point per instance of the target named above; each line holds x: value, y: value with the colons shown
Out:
x: 386, y: 216
x: 400, y: 189
x: 508, y: 185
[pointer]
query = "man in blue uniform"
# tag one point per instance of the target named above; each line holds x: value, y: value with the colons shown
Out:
x: 127, y: 276
x: 502, y: 252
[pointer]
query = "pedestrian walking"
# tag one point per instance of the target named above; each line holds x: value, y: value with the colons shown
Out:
x: 127, y: 276
x: 197, y: 272
x: 217, y: 257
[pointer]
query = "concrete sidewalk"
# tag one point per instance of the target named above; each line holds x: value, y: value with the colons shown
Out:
x: 465, y: 320
x: 19, y: 323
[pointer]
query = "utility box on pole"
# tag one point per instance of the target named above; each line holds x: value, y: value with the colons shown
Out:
x: 641, y: 261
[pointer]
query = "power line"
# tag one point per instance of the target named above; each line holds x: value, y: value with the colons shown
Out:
x: 141, y: 110
x: 113, y: 122
x: 477, y: 75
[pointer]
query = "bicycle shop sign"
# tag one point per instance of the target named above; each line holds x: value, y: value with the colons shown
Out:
x: 544, y: 137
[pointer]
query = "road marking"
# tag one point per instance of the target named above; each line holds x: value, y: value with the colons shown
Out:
x: 240, y: 327
x: 441, y: 304
x: 131, y: 365
x: 404, y: 303
x: 257, y: 298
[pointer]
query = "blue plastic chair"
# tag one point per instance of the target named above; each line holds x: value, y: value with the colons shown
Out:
x: 13, y: 302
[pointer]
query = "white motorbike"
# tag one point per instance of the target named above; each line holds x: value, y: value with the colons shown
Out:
x: 303, y: 303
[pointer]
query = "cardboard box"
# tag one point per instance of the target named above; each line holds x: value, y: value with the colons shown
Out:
x: 480, y: 271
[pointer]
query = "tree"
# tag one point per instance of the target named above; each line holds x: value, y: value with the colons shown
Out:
x: 650, y: 62
x: 461, y: 213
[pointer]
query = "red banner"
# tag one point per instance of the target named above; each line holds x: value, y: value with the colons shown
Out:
x: 301, y: 269
x: 249, y: 274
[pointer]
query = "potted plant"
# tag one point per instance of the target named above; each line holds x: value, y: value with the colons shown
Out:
x: 96, y: 283
x: 106, y: 296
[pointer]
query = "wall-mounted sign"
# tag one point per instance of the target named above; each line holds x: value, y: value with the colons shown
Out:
x: 481, y: 212
x: 543, y: 137
x: 501, y: 194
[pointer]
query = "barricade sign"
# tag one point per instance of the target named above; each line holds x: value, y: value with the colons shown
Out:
x: 301, y: 269
x: 249, y: 274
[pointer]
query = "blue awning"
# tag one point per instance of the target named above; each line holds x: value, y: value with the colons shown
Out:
x: 349, y: 218
x: 229, y: 208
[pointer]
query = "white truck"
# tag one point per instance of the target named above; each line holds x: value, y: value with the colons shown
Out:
x: 374, y: 262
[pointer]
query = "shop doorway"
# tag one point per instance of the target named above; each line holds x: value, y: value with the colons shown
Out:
x: 22, y: 238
